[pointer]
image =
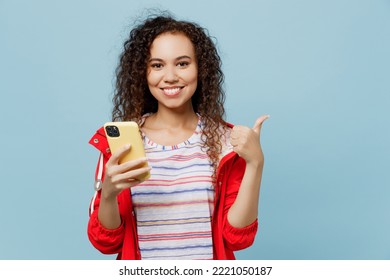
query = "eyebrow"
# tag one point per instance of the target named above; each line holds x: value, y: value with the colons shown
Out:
x: 177, y: 58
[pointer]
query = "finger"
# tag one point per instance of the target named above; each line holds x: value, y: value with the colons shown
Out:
x: 259, y: 122
x: 128, y: 184
x: 233, y: 141
x: 115, y: 157
x: 237, y: 131
x: 132, y: 164
x: 236, y: 150
x: 116, y: 169
x: 134, y: 183
x: 132, y: 174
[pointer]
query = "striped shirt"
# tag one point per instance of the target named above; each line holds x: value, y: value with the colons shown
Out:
x: 174, y: 206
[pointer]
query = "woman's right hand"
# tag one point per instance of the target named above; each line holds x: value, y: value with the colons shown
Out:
x: 122, y: 176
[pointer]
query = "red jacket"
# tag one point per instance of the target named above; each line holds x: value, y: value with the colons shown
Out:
x: 124, y: 240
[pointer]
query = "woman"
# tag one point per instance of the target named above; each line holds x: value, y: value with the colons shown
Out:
x: 201, y: 200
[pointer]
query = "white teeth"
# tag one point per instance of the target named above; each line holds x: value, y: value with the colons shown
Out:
x: 171, y: 91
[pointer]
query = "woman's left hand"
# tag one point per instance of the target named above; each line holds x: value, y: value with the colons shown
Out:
x: 246, y: 141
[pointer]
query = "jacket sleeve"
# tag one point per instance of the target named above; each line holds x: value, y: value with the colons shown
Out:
x: 236, y: 238
x: 107, y: 241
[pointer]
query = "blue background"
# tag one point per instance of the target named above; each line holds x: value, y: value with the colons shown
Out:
x: 321, y: 69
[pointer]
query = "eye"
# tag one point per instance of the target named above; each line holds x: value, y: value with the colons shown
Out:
x: 156, y: 65
x: 183, y: 64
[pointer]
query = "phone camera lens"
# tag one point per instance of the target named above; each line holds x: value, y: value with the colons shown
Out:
x: 112, y: 131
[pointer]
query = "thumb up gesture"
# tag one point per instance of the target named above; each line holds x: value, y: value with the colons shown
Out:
x: 246, y: 141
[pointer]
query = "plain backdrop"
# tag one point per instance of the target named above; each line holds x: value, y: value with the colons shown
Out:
x: 321, y: 69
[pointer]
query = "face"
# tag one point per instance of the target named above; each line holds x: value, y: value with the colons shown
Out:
x: 172, y: 71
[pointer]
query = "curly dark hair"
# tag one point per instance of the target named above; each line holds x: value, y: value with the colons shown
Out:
x: 132, y: 98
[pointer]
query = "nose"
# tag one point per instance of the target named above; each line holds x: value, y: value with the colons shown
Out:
x: 171, y: 75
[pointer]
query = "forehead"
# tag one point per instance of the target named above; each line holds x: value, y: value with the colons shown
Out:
x: 171, y: 45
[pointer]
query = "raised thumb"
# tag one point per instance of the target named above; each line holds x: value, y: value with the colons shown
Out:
x: 259, y: 123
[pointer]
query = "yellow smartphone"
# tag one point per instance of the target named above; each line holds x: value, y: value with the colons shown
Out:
x: 122, y: 133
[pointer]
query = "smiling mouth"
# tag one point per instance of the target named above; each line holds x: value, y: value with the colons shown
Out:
x: 172, y: 91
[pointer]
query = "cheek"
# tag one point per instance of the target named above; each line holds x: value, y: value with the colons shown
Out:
x: 153, y: 78
x: 192, y: 77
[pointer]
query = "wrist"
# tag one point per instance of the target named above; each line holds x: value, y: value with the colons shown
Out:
x: 108, y: 196
x: 255, y: 164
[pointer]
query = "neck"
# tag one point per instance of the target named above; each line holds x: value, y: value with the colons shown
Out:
x: 175, y: 118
